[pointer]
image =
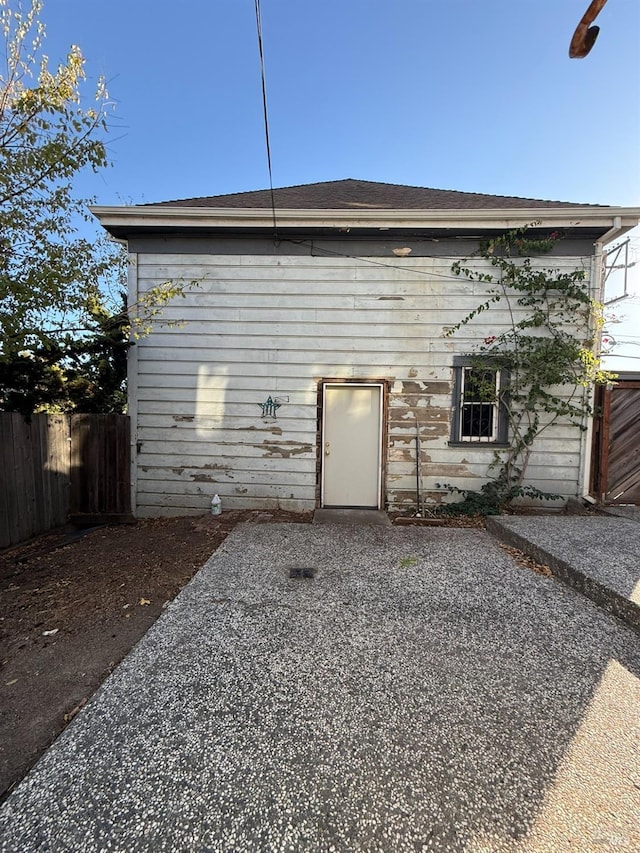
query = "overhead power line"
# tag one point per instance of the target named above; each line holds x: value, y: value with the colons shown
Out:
x: 266, y: 114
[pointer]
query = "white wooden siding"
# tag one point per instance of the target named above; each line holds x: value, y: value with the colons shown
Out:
x: 260, y: 326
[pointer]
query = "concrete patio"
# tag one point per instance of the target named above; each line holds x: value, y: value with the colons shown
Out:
x: 346, y: 688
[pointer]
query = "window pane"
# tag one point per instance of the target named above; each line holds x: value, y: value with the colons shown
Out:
x: 478, y: 415
x: 479, y: 385
x: 477, y: 420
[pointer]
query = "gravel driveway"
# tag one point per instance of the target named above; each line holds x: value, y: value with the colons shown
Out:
x: 422, y: 691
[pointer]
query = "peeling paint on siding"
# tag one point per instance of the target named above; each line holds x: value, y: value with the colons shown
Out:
x: 183, y: 417
x: 412, y: 408
x: 435, y: 428
x: 275, y: 430
x: 410, y: 389
x: 407, y: 497
x: 447, y: 469
x: 399, y: 454
x: 408, y: 453
x: 437, y: 386
x: 284, y: 449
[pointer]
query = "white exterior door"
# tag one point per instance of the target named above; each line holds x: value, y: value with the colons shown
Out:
x: 352, y: 445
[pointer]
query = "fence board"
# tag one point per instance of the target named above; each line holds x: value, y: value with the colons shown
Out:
x: 58, y: 460
x: 58, y: 466
x: 100, y: 468
x: 8, y: 516
x: 34, y: 472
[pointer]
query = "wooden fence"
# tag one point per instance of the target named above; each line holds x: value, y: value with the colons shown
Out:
x: 59, y: 467
x: 616, y: 453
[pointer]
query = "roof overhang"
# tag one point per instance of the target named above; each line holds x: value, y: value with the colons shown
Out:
x: 602, y: 223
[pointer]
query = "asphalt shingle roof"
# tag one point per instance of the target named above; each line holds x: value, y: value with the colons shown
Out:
x: 352, y: 194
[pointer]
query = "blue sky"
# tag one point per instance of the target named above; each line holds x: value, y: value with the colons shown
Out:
x: 475, y: 95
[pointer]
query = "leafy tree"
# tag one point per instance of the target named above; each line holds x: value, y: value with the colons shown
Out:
x: 50, y: 277
x: 81, y: 374
x: 63, y: 334
x: 96, y: 365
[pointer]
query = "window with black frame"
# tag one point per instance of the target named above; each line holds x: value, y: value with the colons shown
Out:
x: 478, y: 416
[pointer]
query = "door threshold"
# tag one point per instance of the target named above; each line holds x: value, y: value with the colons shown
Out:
x: 369, y: 517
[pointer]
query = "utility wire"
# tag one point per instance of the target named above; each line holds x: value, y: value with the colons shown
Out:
x: 273, y: 203
x: 421, y: 273
x: 266, y: 114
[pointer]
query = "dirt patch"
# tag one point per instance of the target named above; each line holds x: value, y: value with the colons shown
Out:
x: 71, y: 609
x: 472, y: 521
x: 525, y: 560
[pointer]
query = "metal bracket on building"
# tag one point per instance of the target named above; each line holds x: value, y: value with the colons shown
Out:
x: 617, y: 258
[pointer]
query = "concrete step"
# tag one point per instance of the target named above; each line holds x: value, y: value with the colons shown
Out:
x: 597, y: 555
x: 370, y: 517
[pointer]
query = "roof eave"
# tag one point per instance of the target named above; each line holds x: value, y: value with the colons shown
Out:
x: 121, y: 219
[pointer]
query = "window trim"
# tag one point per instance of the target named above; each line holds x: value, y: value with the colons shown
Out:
x: 501, y: 431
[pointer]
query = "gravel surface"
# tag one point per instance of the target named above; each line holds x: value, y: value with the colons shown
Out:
x: 604, y: 548
x: 320, y: 688
x: 73, y: 604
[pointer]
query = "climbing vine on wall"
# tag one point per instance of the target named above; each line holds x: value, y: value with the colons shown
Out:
x: 546, y: 348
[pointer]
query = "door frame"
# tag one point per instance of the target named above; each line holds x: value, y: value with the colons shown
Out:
x: 358, y: 383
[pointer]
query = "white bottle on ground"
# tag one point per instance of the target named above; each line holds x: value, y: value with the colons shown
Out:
x: 216, y: 505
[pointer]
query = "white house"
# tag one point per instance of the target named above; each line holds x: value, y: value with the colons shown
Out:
x: 312, y: 367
